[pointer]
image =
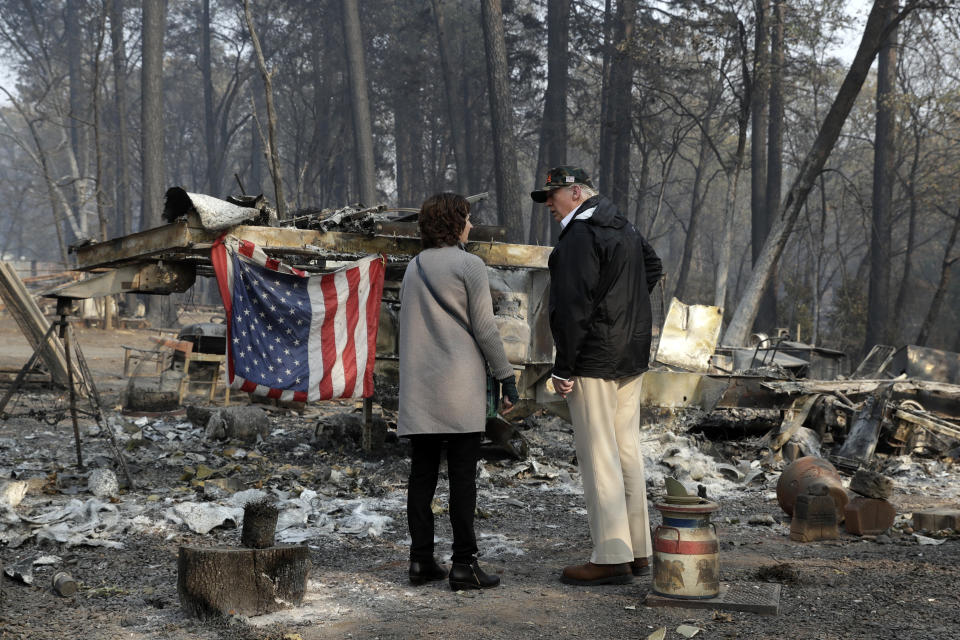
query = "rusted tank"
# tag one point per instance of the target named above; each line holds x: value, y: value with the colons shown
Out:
x: 803, y: 472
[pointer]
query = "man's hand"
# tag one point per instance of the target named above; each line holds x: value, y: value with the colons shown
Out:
x: 562, y: 386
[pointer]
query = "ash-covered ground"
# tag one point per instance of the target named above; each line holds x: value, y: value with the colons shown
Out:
x: 121, y: 546
x: 348, y: 506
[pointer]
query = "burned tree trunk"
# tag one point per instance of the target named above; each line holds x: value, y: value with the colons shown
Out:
x: 553, y: 128
x: 621, y: 101
x: 696, y: 206
x: 942, y: 287
x: 214, y: 581
x: 362, y: 126
x: 761, y: 218
x: 273, y: 150
x: 151, y: 112
x: 209, y: 120
x: 509, y: 192
x: 733, y: 178
x: 454, y: 107
x: 124, y: 221
x: 881, y: 231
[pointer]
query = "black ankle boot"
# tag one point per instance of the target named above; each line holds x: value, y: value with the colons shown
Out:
x: 471, y: 576
x: 424, y: 572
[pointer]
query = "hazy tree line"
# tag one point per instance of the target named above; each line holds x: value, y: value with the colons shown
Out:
x: 729, y: 132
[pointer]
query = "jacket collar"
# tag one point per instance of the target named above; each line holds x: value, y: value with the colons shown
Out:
x: 605, y: 214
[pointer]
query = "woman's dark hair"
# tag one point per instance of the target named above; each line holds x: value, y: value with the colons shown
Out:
x: 442, y: 219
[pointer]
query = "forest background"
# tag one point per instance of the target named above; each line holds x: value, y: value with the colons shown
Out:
x: 789, y: 185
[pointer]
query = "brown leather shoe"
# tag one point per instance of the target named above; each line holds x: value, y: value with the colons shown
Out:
x: 640, y: 567
x: 586, y: 575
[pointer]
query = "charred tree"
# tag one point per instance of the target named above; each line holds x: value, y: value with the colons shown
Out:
x: 553, y: 127
x: 98, y: 132
x: 733, y: 176
x: 509, y: 192
x: 607, y: 124
x: 774, y: 173
x: 943, y: 285
x: 407, y: 112
x: 621, y: 102
x: 273, y: 152
x: 254, y: 184
x: 214, y: 171
x: 455, y: 109
x: 696, y: 206
x: 124, y: 212
x: 151, y: 134
x: 151, y: 112
x: 881, y: 229
x: 760, y: 214
x: 77, y: 113
x: 913, y: 199
x: 362, y: 125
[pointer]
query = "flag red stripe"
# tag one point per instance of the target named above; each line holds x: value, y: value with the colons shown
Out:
x: 328, y: 341
x: 219, y: 257
x: 373, y: 322
x: 350, y: 348
x: 248, y: 386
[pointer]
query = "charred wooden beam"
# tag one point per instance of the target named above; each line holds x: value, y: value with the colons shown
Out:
x: 179, y: 241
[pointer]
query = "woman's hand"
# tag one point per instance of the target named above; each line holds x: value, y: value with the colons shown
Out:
x: 508, y: 388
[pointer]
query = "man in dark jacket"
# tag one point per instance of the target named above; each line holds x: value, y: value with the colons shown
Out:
x: 601, y: 274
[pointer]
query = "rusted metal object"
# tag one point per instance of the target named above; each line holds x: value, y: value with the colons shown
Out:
x: 937, y: 397
x: 159, y: 278
x: 64, y: 584
x: 861, y: 442
x: 798, y: 477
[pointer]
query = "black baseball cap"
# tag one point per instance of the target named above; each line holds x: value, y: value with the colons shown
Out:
x: 563, y: 176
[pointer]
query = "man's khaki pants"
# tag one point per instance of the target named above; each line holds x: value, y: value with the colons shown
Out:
x: 606, y: 428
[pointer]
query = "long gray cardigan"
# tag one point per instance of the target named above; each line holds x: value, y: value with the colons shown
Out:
x: 442, y: 373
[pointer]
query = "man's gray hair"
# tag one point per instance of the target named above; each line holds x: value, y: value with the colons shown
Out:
x: 588, y: 192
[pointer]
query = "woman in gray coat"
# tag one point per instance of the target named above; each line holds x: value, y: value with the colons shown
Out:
x: 447, y: 335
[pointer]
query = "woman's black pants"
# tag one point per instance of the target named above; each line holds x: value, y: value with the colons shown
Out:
x: 463, y: 450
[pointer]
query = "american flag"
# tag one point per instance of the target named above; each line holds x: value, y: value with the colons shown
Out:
x: 295, y: 336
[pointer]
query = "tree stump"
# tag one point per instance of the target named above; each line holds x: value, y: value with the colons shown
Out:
x: 222, y: 580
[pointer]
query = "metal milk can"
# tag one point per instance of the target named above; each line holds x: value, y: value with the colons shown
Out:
x: 686, y: 563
